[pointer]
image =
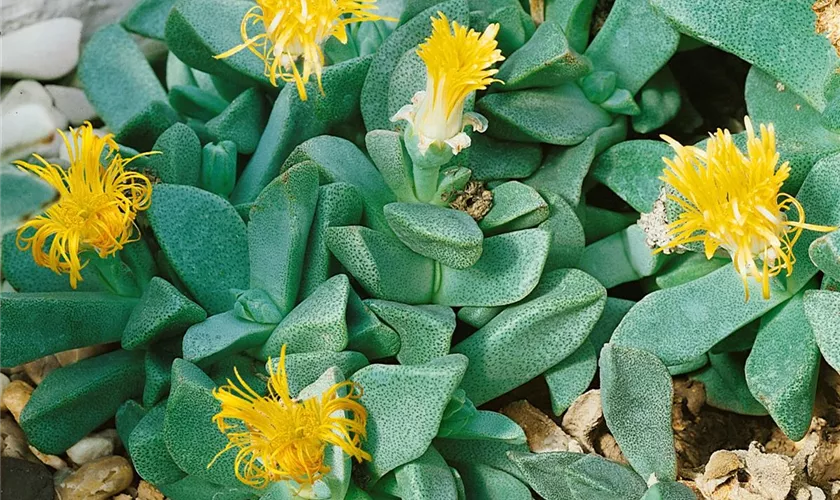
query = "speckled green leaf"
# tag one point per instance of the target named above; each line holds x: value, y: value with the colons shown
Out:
x: 782, y: 369
x: 197, y: 30
x: 486, y: 425
x: 571, y: 377
x: 218, y: 168
x: 382, y: 265
x: 482, y: 482
x: 478, y: 316
x: 163, y: 312
x: 74, y: 400
x: 148, y: 18
x: 488, y: 452
x: 567, y: 238
x: 631, y: 170
x: 107, y: 80
x: 367, y: 333
x: 825, y: 254
x: 599, y: 223
x: 242, y: 121
x: 509, y: 268
x: 204, y: 241
x: 341, y: 161
x: 278, y: 230
x: 525, y: 340
x: 801, y: 139
x: 614, y: 311
x: 659, y: 101
x: 194, y: 102
x: 388, y: 153
x: 594, y: 477
x: 179, y: 161
x: 426, y: 478
x: 448, y: 236
x: 148, y: 452
x: 339, y: 204
x: 377, y: 108
x: 515, y: 206
x: 222, y: 335
x: 304, y: 368
x: 726, y: 386
x: 405, y: 397
x: 687, y: 267
x: 425, y: 331
x: 573, y: 17
x: 678, y: 324
x: 543, y: 472
x: 195, y: 488
x: 621, y: 102
x: 128, y: 416
x: 636, y: 394
x: 37, y: 324
x: 546, y: 60
x: 564, y: 169
x: 21, y: 196
x: 822, y: 308
x: 293, y: 121
x: 621, y: 258
x: 634, y: 42
x: 316, y: 324
x: 158, y: 366
x: 669, y: 491
x: 490, y: 159
x: 192, y: 438
x: 778, y: 37
x: 560, y: 115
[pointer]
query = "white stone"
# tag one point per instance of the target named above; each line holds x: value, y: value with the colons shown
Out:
x: 4, y: 381
x: 15, y: 14
x: 90, y: 448
x: 73, y: 103
x: 26, y: 92
x: 26, y: 129
x: 42, y: 51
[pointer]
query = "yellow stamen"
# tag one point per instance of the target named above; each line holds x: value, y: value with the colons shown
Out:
x: 732, y: 201
x: 96, y: 207
x: 280, y: 438
x: 458, y: 62
x: 296, y: 29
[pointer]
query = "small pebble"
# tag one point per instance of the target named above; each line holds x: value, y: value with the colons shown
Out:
x: 16, y: 396
x: 42, y: 51
x: 13, y: 441
x: 97, y: 480
x: 4, y: 382
x: 92, y: 447
x: 73, y: 103
x: 40, y: 368
x: 53, y: 461
x: 26, y: 92
x: 73, y: 355
x: 24, y: 480
x: 148, y: 492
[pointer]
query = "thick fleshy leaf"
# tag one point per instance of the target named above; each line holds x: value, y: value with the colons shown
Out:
x: 687, y: 267
x: 242, y: 121
x: 107, y: 80
x: 594, y: 477
x: 316, y: 324
x: 634, y: 42
x: 490, y: 159
x: 636, y: 394
x: 546, y: 60
x: 148, y: 18
x: 367, y: 333
x: 388, y: 153
x: 509, y: 268
x: 726, y: 385
x: 825, y: 254
x: 74, y: 400
x: 679, y: 324
x: 389, y: 65
x: 621, y: 258
x: 59, y: 321
x: 304, y: 368
x: 425, y: 331
x: 405, y: 397
x: 127, y: 417
x: 567, y: 238
x: 339, y: 204
x: 571, y: 377
x: 158, y: 366
x: 383, y: 266
x: 204, y: 241
x: 543, y: 472
x: 632, y: 169
x: 482, y: 481
x: 822, y: 308
x: 659, y: 101
x: 782, y: 368
x: 222, y: 335
x: 179, y: 161
x: 614, y: 310
x: 478, y: 316
x: 148, y: 451
x: 490, y: 452
x: 425, y: 478
x: 195, y: 488
x: 525, y: 340
x: 574, y: 17
x: 448, y: 236
x: 560, y: 115
x: 163, y: 312
x: 756, y: 33
x: 669, y: 491
x: 278, y: 230
x: 21, y: 196
x: 515, y: 206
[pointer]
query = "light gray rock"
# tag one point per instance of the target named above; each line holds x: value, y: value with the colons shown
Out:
x: 72, y: 103
x: 43, y: 51
x: 29, y: 128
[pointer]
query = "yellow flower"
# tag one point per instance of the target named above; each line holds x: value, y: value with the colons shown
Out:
x: 458, y: 62
x: 296, y: 29
x: 281, y: 438
x: 96, y: 208
x: 732, y: 201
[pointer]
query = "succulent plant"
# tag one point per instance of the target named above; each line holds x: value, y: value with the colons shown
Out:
x: 408, y: 208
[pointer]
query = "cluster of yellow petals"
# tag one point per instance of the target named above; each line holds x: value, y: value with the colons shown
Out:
x: 98, y: 201
x: 732, y: 200
x: 280, y: 438
x: 296, y: 29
